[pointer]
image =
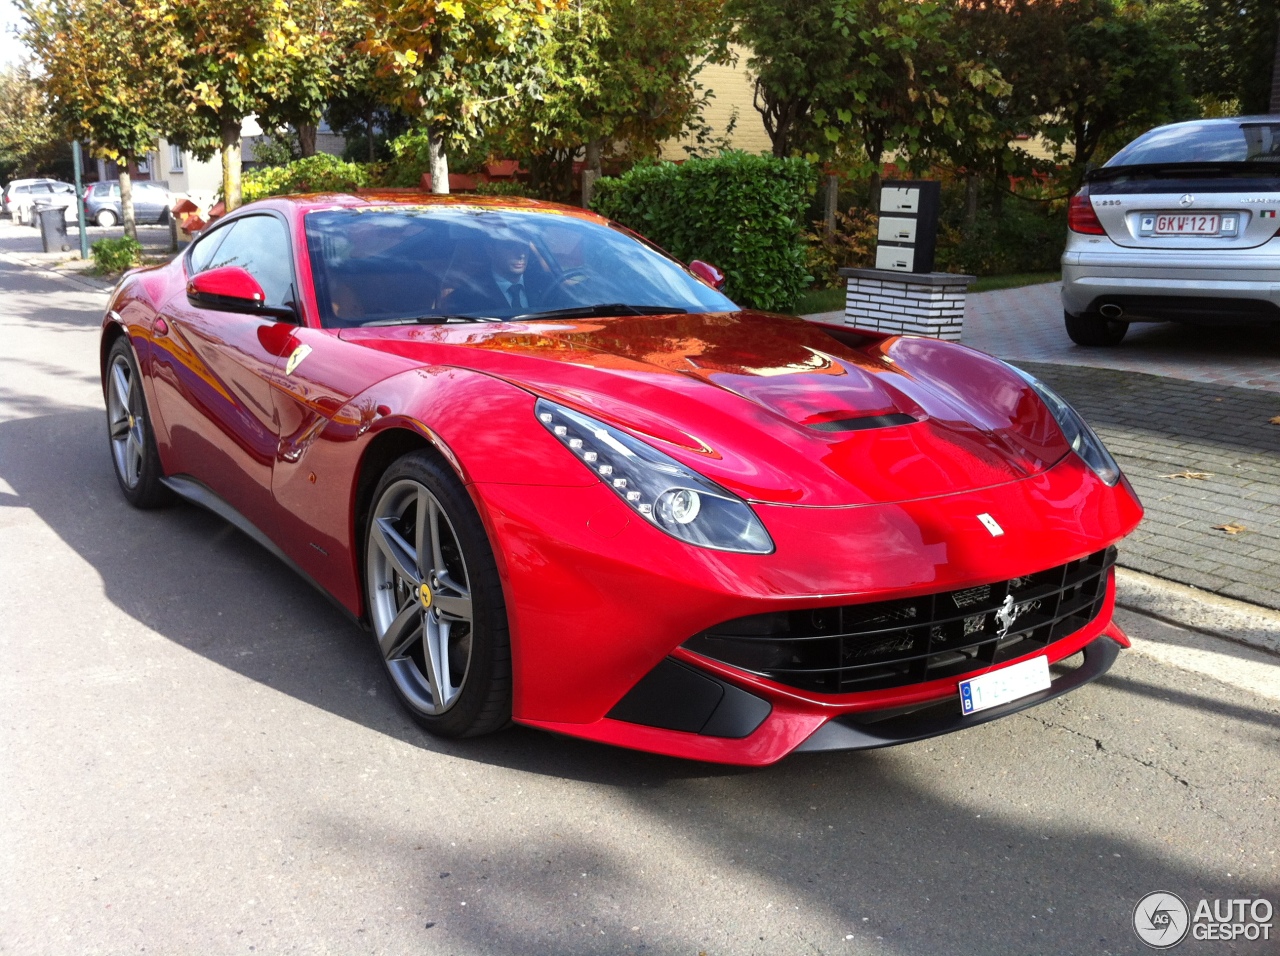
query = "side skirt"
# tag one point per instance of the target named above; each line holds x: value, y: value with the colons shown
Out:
x: 198, y: 493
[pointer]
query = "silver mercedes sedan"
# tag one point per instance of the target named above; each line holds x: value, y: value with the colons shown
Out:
x: 1181, y: 225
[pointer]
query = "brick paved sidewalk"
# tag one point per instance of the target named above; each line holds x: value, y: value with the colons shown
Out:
x: 1158, y: 426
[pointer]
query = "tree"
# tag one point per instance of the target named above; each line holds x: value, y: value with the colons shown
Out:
x: 29, y: 143
x: 458, y: 66
x: 799, y: 63
x: 103, y: 77
x: 916, y: 89
x: 1119, y: 72
x: 617, y: 73
x: 1237, y: 50
x: 315, y: 61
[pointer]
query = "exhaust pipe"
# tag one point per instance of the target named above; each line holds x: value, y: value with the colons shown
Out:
x: 1111, y: 311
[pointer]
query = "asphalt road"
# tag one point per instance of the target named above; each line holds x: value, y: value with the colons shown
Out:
x: 199, y: 754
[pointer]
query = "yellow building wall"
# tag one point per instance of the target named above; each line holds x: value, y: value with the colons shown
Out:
x: 733, y: 93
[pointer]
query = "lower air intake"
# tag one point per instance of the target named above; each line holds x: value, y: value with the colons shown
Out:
x: 859, y: 647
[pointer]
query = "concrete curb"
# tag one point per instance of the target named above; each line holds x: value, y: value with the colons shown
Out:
x: 92, y: 283
x: 1200, y: 611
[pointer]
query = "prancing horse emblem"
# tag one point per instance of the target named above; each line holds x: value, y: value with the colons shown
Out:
x: 301, y: 352
x: 1007, y: 615
x: 991, y: 524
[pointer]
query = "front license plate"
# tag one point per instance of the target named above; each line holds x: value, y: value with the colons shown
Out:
x: 1000, y: 687
x: 1186, y: 225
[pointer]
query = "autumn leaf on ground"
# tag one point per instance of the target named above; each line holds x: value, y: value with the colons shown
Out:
x: 1191, y: 474
x: 1232, y: 528
x: 1276, y: 420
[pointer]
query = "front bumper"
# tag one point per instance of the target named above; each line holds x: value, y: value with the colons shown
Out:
x: 596, y: 601
x: 1204, y: 285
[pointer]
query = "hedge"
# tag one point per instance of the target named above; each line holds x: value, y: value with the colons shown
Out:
x: 320, y: 173
x: 742, y: 213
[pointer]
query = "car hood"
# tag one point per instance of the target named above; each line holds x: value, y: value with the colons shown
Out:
x: 774, y: 408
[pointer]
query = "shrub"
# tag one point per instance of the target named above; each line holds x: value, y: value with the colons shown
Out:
x: 511, y: 187
x: 320, y: 173
x: 742, y: 213
x: 116, y: 255
x: 852, y: 244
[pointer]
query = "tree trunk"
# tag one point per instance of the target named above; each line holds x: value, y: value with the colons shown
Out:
x: 438, y: 161
x: 373, y: 149
x: 874, y: 184
x: 126, y: 200
x: 832, y: 204
x: 307, y: 139
x: 595, y: 153
x: 231, y: 164
x: 971, y: 184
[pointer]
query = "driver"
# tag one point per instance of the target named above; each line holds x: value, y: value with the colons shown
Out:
x: 501, y: 286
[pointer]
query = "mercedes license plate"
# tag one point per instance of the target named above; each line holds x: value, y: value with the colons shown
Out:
x: 1183, y: 224
x: 1000, y: 687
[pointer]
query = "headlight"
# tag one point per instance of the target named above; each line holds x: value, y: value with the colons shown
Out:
x: 657, y: 487
x: 1082, y: 439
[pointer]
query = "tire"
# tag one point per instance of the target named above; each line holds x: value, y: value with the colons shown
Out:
x: 106, y: 218
x: 437, y: 612
x: 1094, y: 330
x: 132, y: 441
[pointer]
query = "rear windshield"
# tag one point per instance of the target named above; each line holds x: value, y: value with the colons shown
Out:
x: 1210, y: 142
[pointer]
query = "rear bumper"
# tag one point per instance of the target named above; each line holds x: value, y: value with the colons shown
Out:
x: 1172, y: 286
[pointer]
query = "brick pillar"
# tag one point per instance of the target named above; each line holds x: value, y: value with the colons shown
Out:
x: 906, y: 303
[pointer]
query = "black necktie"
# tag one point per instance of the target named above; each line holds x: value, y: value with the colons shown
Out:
x: 515, y: 295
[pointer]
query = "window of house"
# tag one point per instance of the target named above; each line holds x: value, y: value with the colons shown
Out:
x: 175, y: 158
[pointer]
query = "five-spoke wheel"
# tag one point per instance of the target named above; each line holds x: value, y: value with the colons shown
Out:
x: 133, y: 445
x: 434, y: 600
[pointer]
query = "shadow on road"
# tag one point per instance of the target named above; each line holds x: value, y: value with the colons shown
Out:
x: 870, y: 841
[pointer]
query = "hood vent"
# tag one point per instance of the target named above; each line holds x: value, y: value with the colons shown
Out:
x: 868, y: 421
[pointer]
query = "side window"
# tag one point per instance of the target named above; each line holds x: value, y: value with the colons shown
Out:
x: 115, y: 191
x: 259, y: 245
x: 23, y: 190
x: 204, y: 248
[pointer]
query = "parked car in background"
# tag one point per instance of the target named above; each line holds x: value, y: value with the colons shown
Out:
x: 1180, y: 225
x: 19, y: 195
x: 151, y: 202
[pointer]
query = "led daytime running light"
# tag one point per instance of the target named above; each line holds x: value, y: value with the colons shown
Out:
x: 671, y: 497
x: 1082, y: 439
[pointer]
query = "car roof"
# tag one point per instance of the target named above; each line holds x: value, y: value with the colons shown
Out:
x: 310, y: 202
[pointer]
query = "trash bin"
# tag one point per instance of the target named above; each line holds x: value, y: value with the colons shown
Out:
x: 53, y: 228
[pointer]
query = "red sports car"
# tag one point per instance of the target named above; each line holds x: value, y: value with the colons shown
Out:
x: 566, y: 482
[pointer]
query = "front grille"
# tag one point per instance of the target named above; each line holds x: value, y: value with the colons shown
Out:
x: 858, y: 647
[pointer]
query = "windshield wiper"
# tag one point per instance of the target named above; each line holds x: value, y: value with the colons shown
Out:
x: 609, y: 308
x: 428, y: 320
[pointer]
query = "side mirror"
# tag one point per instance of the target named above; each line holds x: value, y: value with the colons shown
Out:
x: 232, y: 289
x: 708, y: 274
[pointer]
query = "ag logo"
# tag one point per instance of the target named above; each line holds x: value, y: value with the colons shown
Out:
x: 1161, y: 920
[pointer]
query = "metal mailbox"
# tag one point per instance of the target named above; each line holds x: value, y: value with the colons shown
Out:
x: 908, y: 231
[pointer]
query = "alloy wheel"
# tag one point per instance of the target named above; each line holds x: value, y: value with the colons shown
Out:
x: 420, y: 597
x: 126, y: 421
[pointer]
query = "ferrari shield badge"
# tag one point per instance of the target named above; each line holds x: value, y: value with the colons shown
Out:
x: 991, y: 524
x: 301, y: 352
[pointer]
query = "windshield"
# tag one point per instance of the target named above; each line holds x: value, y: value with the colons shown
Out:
x: 382, y: 266
x: 1244, y: 141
